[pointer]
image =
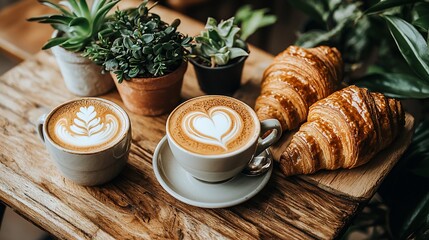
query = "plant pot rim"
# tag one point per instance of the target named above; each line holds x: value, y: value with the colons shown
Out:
x: 239, y: 61
x: 183, y: 66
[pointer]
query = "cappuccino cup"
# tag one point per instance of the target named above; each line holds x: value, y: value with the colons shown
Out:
x: 214, y: 137
x: 88, y: 138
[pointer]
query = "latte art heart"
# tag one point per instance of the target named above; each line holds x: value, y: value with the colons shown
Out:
x: 87, y: 129
x: 218, y: 126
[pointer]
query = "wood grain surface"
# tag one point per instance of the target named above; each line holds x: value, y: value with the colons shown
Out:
x: 134, y: 205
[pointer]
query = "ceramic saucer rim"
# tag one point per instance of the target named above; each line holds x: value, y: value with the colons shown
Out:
x: 156, y: 168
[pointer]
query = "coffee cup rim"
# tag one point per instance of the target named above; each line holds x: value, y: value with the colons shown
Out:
x: 127, y: 121
x: 251, y: 141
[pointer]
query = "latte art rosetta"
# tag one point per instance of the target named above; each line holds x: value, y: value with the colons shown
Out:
x: 218, y: 126
x: 86, y: 129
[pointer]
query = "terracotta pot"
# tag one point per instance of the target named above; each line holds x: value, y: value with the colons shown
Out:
x: 81, y: 76
x: 152, y: 96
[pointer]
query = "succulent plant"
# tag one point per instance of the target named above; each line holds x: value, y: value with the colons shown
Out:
x: 219, y: 43
x: 78, y: 23
x: 139, y: 44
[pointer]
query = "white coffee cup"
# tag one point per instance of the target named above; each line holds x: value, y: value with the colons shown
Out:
x: 91, y: 166
x: 223, y: 166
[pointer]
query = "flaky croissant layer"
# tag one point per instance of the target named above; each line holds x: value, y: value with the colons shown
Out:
x: 297, y: 78
x: 344, y: 130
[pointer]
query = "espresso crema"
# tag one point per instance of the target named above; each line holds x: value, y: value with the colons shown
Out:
x: 86, y: 125
x: 212, y: 125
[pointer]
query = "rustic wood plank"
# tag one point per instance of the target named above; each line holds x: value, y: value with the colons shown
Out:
x: 285, y: 209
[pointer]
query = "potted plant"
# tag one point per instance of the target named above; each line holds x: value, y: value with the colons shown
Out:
x: 146, y: 57
x: 218, y: 53
x: 76, y: 25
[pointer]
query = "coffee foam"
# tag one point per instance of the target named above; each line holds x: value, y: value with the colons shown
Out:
x: 212, y: 125
x: 85, y: 125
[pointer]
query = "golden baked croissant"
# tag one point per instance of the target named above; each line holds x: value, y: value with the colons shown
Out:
x: 297, y: 78
x: 344, y: 130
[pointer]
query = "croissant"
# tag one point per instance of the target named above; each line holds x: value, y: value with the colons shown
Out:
x: 296, y: 79
x: 344, y: 130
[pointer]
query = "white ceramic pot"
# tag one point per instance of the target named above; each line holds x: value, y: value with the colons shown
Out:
x: 81, y: 76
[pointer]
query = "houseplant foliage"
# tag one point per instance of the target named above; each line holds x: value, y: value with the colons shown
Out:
x: 77, y: 22
x: 219, y: 51
x: 139, y: 44
x: 76, y: 25
x: 146, y: 52
x: 385, y: 46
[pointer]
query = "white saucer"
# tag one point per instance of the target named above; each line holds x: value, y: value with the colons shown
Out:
x: 182, y: 186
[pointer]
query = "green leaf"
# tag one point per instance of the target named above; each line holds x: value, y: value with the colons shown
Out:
x: 52, y: 19
x: 221, y: 58
x: 229, y: 40
x: 101, y: 14
x: 96, y: 4
x: 386, y: 4
x: 411, y: 44
x: 237, y: 52
x: 54, y: 42
x: 225, y: 27
x: 147, y: 38
x: 251, y: 20
x: 211, y: 23
x: 317, y: 37
x: 395, y: 85
x: 84, y: 9
x: 81, y: 22
x: 422, y: 22
x: 315, y: 9
x: 256, y: 21
x: 56, y: 6
x: 73, y: 6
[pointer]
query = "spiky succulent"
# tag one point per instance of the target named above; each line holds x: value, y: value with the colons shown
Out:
x: 219, y: 43
x: 78, y: 23
x: 139, y: 44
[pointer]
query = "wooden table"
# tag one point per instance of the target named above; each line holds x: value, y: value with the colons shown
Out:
x: 134, y: 205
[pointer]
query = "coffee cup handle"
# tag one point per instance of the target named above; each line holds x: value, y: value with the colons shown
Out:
x: 276, y: 132
x: 40, y: 123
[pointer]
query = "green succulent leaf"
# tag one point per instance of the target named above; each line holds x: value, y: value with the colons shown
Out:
x: 73, y: 6
x: 78, y: 22
x: 396, y: 85
x: 57, y: 7
x: 52, y: 19
x: 54, y: 42
x: 211, y: 23
x: 221, y: 58
x: 411, y: 44
x: 224, y: 27
x: 237, y: 52
x: 100, y: 14
x: 84, y: 9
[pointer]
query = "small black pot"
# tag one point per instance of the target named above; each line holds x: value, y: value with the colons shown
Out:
x: 223, y: 80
